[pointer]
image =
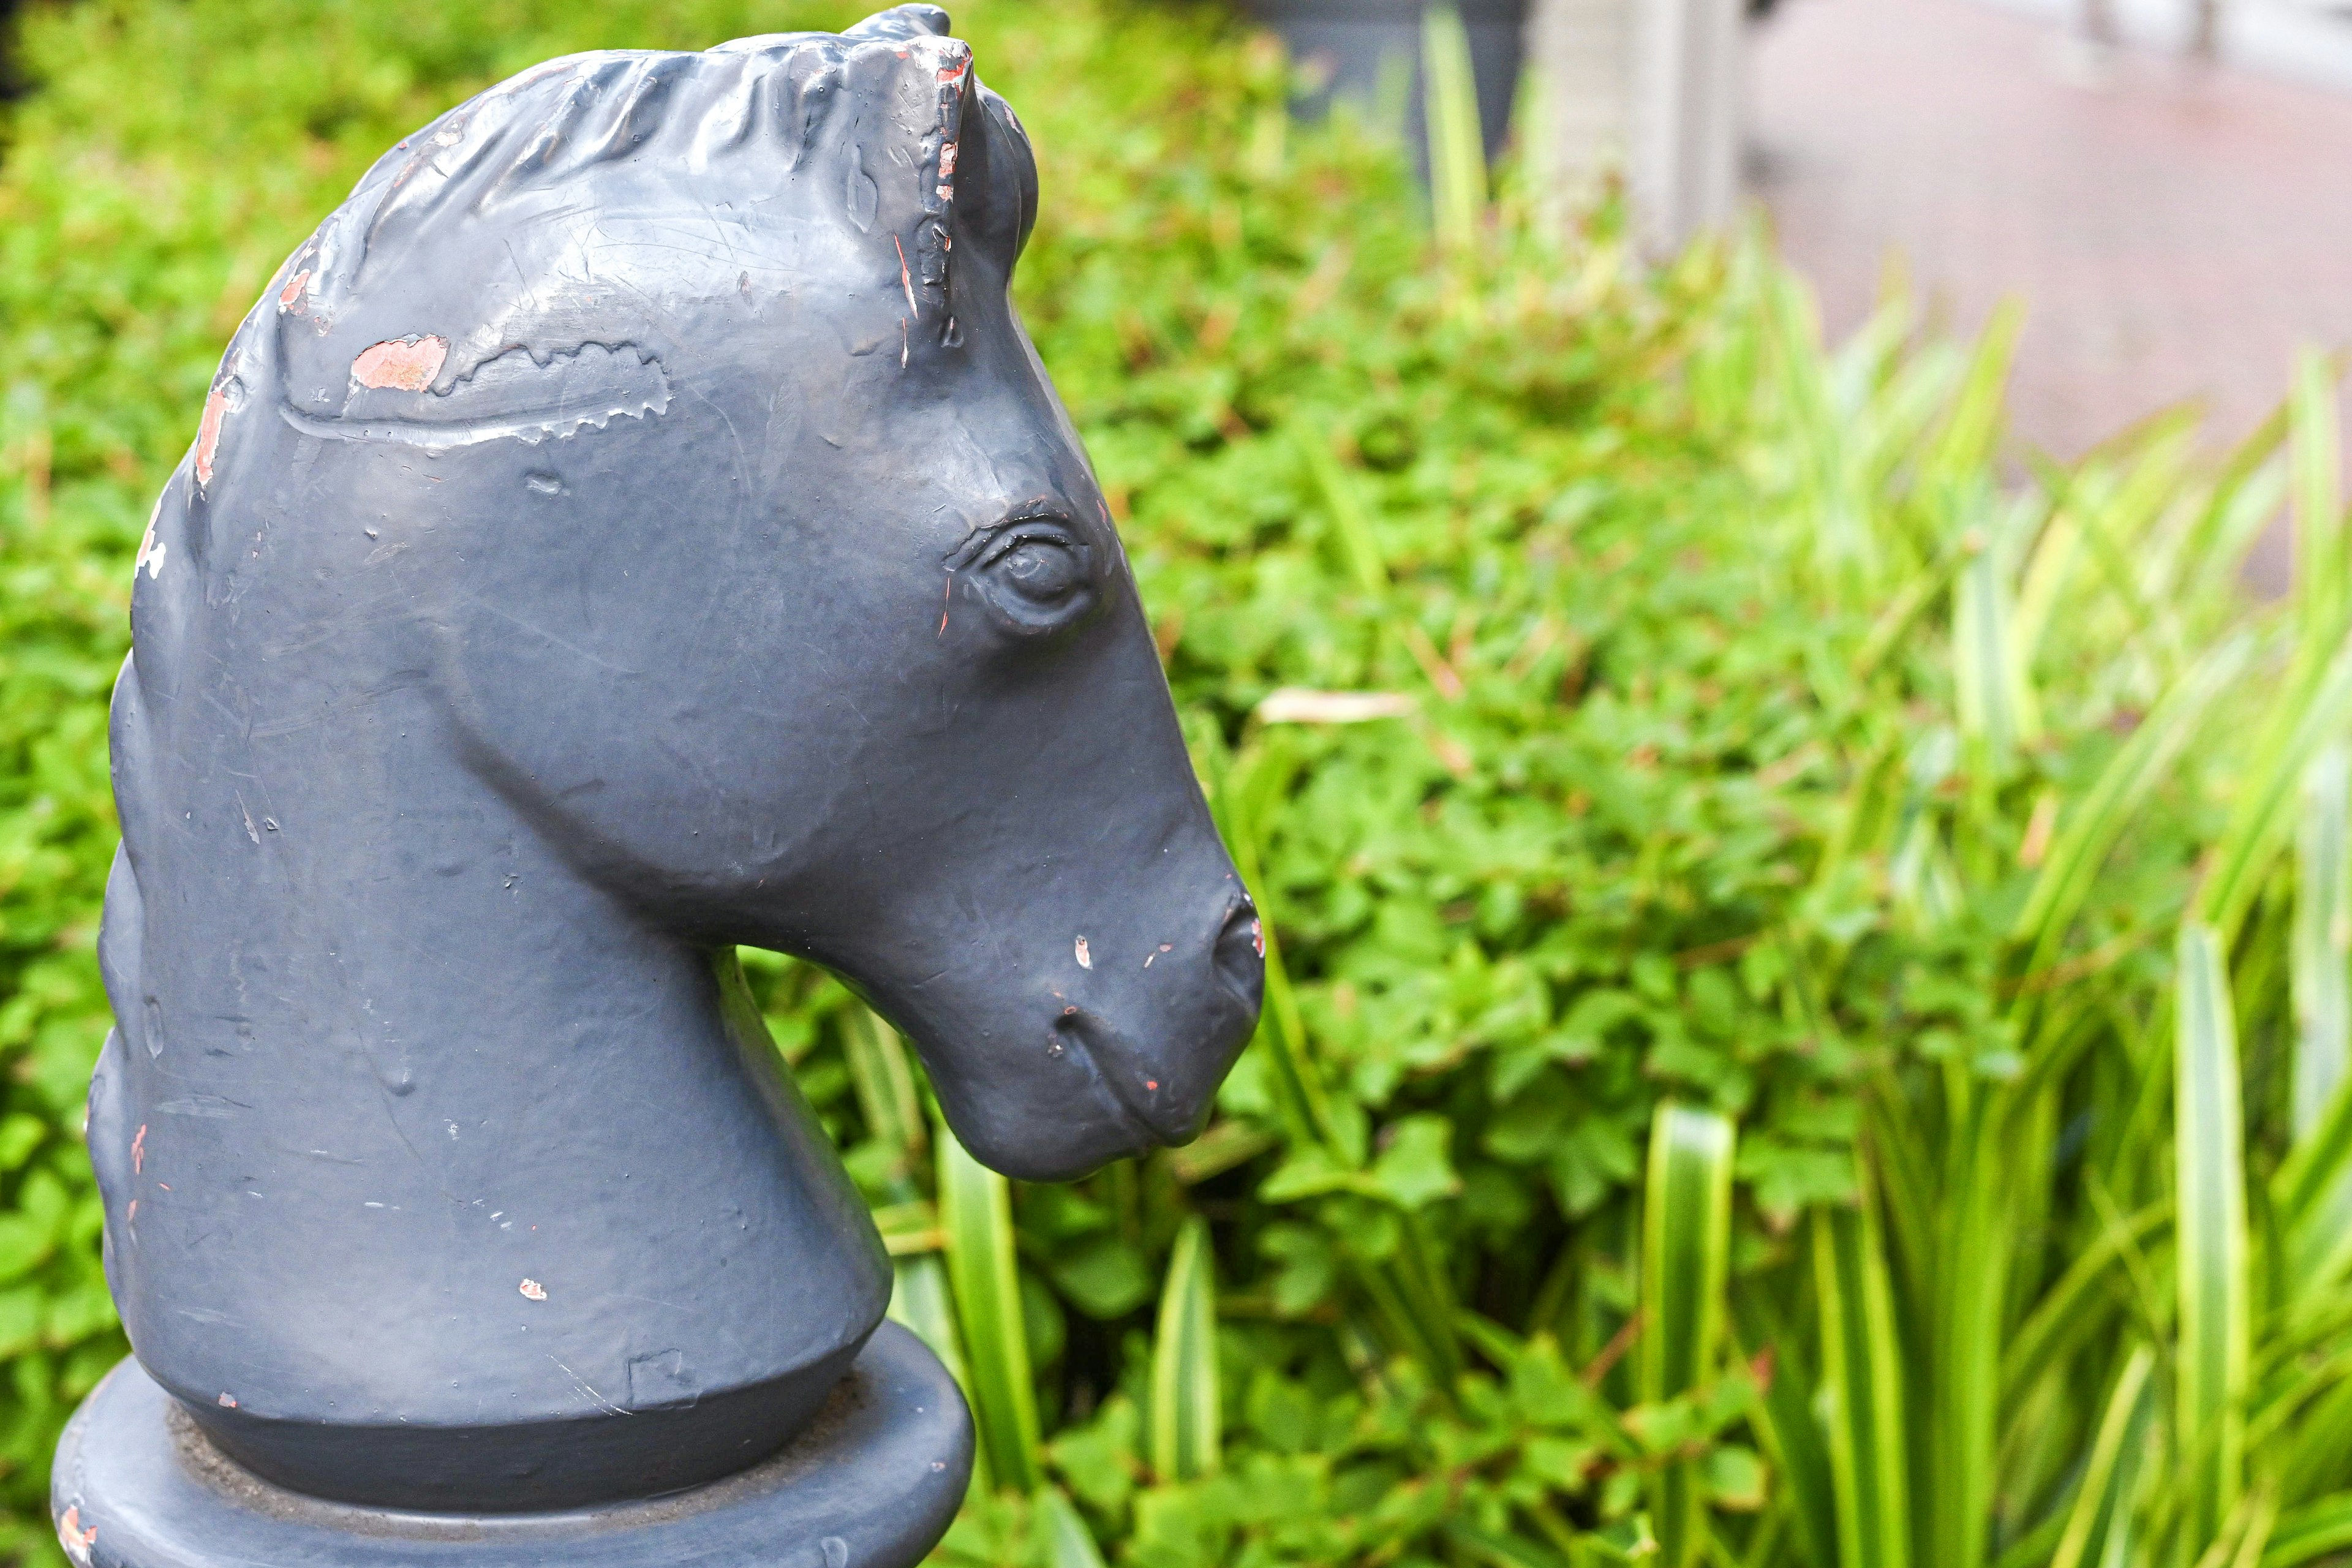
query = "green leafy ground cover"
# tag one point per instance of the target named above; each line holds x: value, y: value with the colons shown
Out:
x: 1718, y: 1096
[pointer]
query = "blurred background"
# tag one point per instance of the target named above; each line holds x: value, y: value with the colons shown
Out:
x: 2167, y: 184
x: 1808, y: 914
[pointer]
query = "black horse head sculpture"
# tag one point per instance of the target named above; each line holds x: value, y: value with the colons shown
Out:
x: 636, y: 523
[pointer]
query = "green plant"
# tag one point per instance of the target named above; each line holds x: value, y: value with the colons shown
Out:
x: 1635, y: 720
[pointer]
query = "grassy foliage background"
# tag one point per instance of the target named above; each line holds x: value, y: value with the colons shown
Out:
x: 1755, y: 757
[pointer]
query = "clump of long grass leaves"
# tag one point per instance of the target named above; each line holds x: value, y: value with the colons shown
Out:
x: 1808, y: 996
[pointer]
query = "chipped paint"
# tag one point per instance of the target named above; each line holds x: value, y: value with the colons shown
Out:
x: 151, y: 549
x: 290, y: 297
x: 532, y: 1290
x: 138, y: 1152
x: 510, y: 395
x: 1257, y: 937
x: 1085, y: 959
x: 402, y: 364
x: 208, y: 432
x: 947, y: 160
x: 228, y: 1402
x: 76, y: 1537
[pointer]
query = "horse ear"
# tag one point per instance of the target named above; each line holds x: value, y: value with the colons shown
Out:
x: 900, y: 22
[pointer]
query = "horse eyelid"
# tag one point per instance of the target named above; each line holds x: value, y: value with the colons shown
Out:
x: 989, y: 545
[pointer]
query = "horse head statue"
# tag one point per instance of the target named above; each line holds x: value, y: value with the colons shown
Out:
x: 634, y: 524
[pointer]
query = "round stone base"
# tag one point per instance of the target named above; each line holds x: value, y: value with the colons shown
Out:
x: 871, y: 1484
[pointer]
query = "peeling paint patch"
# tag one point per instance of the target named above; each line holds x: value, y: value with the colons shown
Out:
x: 228, y: 1402
x: 291, y: 297
x: 533, y: 1290
x: 403, y: 364
x: 151, y: 549
x: 1257, y: 937
x: 208, y: 432
x: 511, y: 396
x: 1085, y: 959
x: 76, y: 1537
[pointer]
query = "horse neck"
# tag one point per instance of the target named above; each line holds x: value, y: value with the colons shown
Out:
x: 422, y: 925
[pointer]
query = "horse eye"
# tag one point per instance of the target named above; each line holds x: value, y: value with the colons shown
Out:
x: 1042, y: 571
x: 1038, y: 581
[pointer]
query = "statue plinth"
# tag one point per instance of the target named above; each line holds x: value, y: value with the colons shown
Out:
x: 870, y: 1483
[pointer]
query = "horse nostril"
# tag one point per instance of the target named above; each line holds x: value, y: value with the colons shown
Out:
x: 1241, y: 952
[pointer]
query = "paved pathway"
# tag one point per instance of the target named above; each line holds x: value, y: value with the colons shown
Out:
x: 2176, y: 231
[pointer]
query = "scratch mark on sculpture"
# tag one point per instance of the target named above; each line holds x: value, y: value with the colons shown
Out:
x: 609, y: 1407
x: 139, y: 1151
x: 945, y: 590
x: 905, y: 280
x: 403, y: 364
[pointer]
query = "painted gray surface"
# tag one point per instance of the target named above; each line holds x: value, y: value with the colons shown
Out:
x: 634, y: 524
x: 873, y: 1481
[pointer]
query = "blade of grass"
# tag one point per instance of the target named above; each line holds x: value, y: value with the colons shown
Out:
x: 1966, y: 1293
x: 2209, y: 1192
x: 976, y: 1212
x: 1861, y: 1388
x: 1068, y: 1542
x: 2064, y: 1315
x: 2323, y: 937
x: 1790, y: 1432
x: 883, y: 1080
x: 2102, y: 1507
x: 1360, y: 549
x: 1187, y: 1427
x: 1457, y: 151
x: 1993, y: 688
x: 2088, y: 834
x: 1967, y: 440
x: 2314, y: 465
x: 2306, y: 1534
x: 2309, y: 714
x: 1686, y: 1259
x: 2317, y: 1223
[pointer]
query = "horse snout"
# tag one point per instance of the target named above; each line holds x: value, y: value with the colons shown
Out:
x: 1161, y: 1056
x: 1239, y: 955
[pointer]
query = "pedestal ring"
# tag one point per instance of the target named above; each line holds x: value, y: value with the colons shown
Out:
x: 871, y: 1484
